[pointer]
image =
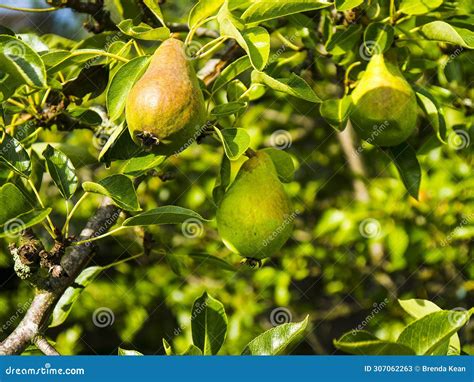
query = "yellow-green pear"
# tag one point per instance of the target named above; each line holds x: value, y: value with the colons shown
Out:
x: 384, y: 109
x: 165, y: 108
x: 255, y: 217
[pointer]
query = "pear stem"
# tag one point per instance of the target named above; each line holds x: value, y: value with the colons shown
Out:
x: 250, y: 153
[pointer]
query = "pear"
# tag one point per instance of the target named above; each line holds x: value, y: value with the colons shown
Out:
x: 384, y: 109
x: 165, y: 108
x: 255, y: 217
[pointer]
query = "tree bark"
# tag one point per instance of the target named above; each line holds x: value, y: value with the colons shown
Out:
x: 74, y: 261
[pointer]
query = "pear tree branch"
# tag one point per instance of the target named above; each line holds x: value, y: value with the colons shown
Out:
x: 74, y: 261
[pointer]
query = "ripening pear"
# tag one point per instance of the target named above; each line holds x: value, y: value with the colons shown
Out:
x: 384, y: 104
x: 165, y: 108
x: 255, y: 217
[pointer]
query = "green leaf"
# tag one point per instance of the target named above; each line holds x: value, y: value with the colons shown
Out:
x: 143, y: 31
x: 275, y: 340
x: 21, y: 62
x: 79, y: 155
x: 62, y: 59
x: 70, y: 296
x: 283, y: 164
x: 155, y: 9
x: 344, y: 40
x: 12, y: 203
x: 433, y: 112
x: 258, y: 46
x: 404, y: 158
x: 222, y: 181
x: 397, y: 243
x: 295, y: 85
x: 167, y: 347
x: 128, y: 352
x: 217, y: 262
x: 235, y: 141
x: 336, y: 112
x: 14, y: 155
x: 62, y: 171
x: 28, y: 219
x: 378, y: 37
x: 442, y: 31
x: 141, y: 165
x: 428, y: 333
x: 266, y: 10
x: 418, y: 308
x: 360, y: 342
x: 202, y: 10
x: 418, y: 7
x: 233, y: 70
x: 208, y: 324
x: 119, y: 188
x: 122, y: 83
x: 162, y: 215
x: 344, y: 5
x: 119, y: 146
x: 192, y: 350
x: 174, y: 263
x: 228, y: 108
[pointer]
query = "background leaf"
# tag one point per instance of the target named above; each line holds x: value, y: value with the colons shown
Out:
x: 61, y: 170
x: 426, y: 334
x: 404, y: 158
x: 364, y: 343
x: 235, y: 141
x: 266, y: 10
x: 275, y: 340
x: 162, y: 215
x: 208, y: 324
x: 14, y: 155
x: 21, y: 62
x: 70, y: 296
x: 122, y: 83
x: 119, y: 188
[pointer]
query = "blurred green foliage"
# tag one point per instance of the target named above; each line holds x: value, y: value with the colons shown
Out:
x: 346, y: 256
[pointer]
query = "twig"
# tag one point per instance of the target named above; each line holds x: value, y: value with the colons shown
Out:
x: 96, y: 9
x: 36, y: 318
x: 45, y: 347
